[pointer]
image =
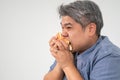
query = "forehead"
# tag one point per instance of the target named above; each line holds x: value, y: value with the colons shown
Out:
x: 67, y: 20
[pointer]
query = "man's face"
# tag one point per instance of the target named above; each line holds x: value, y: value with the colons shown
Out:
x: 74, y: 32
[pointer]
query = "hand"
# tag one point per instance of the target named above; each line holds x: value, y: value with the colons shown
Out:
x: 61, y: 53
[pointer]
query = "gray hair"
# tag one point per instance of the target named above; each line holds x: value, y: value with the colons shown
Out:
x: 83, y: 12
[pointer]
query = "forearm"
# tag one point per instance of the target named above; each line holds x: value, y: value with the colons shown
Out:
x: 72, y: 73
x: 55, y: 74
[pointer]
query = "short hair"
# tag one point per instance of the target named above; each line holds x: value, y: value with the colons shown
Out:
x: 83, y: 12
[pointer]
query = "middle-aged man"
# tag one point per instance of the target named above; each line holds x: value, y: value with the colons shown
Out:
x: 93, y: 56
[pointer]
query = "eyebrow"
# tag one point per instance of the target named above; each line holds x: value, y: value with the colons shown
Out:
x: 66, y: 24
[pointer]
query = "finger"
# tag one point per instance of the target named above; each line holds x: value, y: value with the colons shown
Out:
x: 52, y: 41
x: 64, y: 44
x: 59, y: 45
x: 53, y: 52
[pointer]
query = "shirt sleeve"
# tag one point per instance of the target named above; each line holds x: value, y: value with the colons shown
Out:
x: 52, y: 66
x: 106, y: 68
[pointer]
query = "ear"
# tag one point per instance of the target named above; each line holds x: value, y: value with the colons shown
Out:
x: 91, y: 29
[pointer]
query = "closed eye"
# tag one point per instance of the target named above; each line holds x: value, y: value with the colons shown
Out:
x: 67, y: 26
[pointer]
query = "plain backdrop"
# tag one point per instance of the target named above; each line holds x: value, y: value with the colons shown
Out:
x: 26, y: 27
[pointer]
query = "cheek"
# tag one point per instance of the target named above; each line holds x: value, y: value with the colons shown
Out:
x: 77, y: 37
x: 78, y: 41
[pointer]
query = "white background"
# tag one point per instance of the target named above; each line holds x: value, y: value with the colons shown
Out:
x: 26, y: 27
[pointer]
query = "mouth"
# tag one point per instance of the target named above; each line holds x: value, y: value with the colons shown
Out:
x: 60, y: 37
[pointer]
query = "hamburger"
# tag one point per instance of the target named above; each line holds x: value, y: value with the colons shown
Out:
x: 60, y: 37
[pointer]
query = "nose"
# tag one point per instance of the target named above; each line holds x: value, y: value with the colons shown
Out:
x: 65, y: 34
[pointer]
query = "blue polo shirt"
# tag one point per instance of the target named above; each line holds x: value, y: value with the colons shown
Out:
x: 100, y: 62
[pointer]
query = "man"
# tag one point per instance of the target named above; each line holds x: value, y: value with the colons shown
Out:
x: 93, y: 56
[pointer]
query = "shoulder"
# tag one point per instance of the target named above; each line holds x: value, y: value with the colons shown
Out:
x: 105, y: 49
x: 106, y: 61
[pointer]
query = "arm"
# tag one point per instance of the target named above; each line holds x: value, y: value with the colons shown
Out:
x: 72, y: 73
x: 55, y: 74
